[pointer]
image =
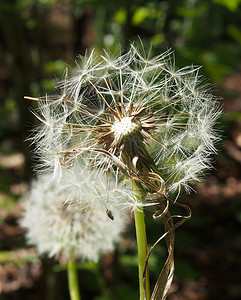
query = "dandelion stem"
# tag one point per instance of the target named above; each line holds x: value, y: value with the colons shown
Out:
x: 141, y: 244
x: 73, y: 280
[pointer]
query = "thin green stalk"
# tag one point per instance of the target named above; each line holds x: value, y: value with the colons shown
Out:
x: 141, y: 244
x: 73, y: 280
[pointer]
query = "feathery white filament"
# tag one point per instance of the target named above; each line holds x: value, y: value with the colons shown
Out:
x: 131, y: 106
x: 58, y: 228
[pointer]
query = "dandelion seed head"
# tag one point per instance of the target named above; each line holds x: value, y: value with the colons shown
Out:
x: 59, y: 228
x: 125, y: 127
x: 120, y: 108
x: 86, y: 188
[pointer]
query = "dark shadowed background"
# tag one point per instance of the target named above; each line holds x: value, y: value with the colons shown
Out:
x: 38, y: 40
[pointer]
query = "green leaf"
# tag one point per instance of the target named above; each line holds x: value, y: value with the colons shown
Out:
x: 120, y: 16
x: 140, y: 15
x: 158, y: 38
x: 129, y: 260
x: 229, y: 4
x: 7, y: 203
x: 235, y: 33
x: 19, y: 257
x: 55, y: 66
x: 192, y: 12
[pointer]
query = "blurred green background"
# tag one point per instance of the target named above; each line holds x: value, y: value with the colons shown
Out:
x: 38, y: 40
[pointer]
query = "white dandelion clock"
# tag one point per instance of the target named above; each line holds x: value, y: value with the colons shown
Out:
x: 57, y: 228
x: 88, y: 189
x: 138, y: 118
x: 133, y: 108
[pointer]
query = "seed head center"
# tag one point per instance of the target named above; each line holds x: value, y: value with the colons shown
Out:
x: 126, y: 127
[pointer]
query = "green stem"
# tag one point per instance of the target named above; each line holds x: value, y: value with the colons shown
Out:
x: 73, y: 280
x: 141, y: 244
